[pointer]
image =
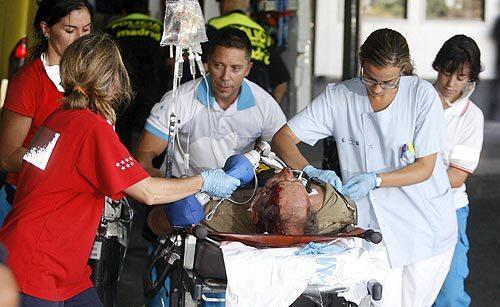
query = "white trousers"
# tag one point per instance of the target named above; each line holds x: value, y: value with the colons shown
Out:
x: 415, y: 285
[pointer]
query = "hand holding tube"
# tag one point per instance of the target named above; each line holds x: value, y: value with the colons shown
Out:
x: 325, y: 175
x: 218, y: 183
x: 359, y: 185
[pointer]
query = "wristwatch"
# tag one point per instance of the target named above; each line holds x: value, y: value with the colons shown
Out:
x: 378, y: 182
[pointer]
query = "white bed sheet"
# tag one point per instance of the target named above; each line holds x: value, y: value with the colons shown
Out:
x: 277, y: 276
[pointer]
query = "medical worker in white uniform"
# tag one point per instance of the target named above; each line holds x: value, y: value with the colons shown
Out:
x: 389, y: 128
x: 458, y: 64
x: 218, y: 118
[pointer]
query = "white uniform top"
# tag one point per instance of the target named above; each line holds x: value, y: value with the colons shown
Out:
x: 215, y: 134
x: 416, y: 221
x: 53, y: 72
x: 465, y: 122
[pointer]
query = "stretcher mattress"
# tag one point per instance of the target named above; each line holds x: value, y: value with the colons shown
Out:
x: 277, y: 276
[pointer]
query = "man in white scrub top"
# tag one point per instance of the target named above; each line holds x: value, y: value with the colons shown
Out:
x: 218, y: 118
x: 389, y: 129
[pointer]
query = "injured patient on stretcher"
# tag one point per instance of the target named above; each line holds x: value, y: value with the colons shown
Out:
x: 282, y: 205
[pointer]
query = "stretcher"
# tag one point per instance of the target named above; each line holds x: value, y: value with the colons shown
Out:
x: 193, y: 259
x: 195, y: 263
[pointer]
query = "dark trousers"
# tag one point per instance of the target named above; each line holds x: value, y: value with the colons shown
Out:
x: 87, y: 298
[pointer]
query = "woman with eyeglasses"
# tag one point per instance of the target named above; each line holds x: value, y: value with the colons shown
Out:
x: 389, y: 129
x: 458, y: 64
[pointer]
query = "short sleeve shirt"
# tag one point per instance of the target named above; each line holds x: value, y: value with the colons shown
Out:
x: 417, y: 221
x: 465, y: 125
x: 31, y: 93
x: 73, y: 162
x: 215, y: 134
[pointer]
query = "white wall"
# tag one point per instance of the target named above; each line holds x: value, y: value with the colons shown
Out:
x: 424, y: 37
x: 155, y: 7
x: 211, y: 9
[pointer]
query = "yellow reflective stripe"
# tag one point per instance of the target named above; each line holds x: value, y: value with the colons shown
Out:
x: 136, y: 16
x: 259, y: 55
x: 234, y: 19
x: 260, y: 40
x: 138, y: 32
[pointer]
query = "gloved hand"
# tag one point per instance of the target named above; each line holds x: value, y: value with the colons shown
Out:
x: 217, y: 183
x: 325, y: 175
x: 359, y: 185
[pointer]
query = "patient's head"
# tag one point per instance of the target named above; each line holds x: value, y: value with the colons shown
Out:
x: 282, y: 206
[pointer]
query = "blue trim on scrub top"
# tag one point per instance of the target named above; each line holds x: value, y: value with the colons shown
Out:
x: 155, y: 131
x: 245, y: 99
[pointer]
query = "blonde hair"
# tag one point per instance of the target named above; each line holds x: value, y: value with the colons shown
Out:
x: 94, y: 77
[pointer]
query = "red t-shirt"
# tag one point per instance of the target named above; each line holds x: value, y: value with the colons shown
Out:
x: 31, y: 93
x: 74, y: 160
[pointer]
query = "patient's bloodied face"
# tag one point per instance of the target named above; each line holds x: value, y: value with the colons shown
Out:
x: 282, y: 206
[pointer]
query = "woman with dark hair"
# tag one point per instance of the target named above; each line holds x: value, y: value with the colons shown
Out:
x: 35, y: 91
x: 458, y: 64
x: 74, y: 161
x: 389, y: 128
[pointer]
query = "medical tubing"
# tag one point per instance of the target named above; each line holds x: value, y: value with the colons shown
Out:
x: 201, y: 68
x: 125, y: 202
x: 173, y: 118
x: 178, y: 51
x: 253, y: 193
x: 273, y: 156
x: 210, y: 215
x: 170, y: 145
x: 181, y: 69
x: 192, y: 63
x: 185, y: 154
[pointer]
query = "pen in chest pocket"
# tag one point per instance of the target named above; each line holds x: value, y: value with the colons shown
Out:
x: 407, y: 154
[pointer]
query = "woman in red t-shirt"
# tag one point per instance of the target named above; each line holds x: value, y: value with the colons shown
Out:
x: 35, y: 91
x: 74, y: 161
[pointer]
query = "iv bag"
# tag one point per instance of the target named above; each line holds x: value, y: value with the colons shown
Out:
x: 184, y: 25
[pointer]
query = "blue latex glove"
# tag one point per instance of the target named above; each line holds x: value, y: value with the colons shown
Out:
x: 239, y: 167
x: 217, y: 183
x: 359, y: 186
x: 325, y: 175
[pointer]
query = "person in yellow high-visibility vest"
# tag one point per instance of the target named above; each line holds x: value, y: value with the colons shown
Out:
x: 269, y: 70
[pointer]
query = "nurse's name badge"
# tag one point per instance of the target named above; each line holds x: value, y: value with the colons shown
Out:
x: 350, y: 140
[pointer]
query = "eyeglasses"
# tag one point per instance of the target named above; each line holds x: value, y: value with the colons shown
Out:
x: 383, y: 84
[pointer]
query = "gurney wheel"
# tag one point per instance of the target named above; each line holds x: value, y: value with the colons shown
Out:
x: 375, y: 290
x: 372, y: 236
